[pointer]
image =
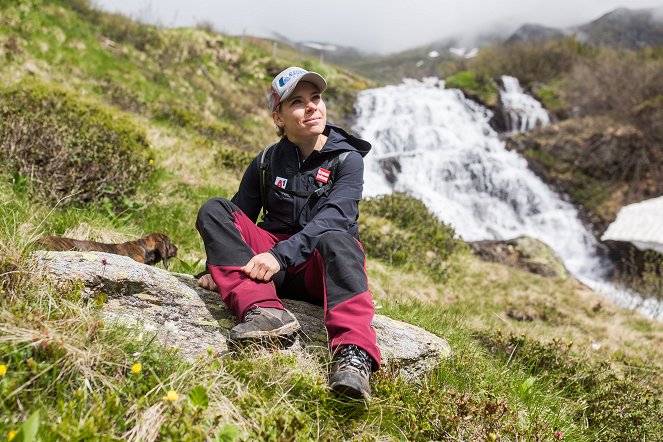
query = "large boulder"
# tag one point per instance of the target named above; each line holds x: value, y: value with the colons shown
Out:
x: 193, y: 319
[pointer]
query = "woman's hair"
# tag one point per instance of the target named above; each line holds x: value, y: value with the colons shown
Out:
x: 280, y: 132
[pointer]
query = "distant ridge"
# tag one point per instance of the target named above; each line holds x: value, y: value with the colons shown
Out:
x: 620, y: 28
x: 625, y: 28
x: 534, y: 33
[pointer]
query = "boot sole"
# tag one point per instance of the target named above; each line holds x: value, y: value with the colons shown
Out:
x: 284, y: 331
x: 349, y: 391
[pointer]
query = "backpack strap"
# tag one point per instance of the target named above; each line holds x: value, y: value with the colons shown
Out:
x: 264, y: 171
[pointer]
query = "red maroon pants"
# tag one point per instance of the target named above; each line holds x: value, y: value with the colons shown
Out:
x: 334, y: 275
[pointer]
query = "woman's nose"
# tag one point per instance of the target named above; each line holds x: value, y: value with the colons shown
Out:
x: 311, y: 105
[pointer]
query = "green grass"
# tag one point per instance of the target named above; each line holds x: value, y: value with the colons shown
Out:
x: 54, y: 341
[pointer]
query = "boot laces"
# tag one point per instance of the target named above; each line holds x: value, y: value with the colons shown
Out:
x: 252, y: 314
x: 354, y: 358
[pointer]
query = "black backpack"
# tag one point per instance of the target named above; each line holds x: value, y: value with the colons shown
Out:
x: 322, y: 190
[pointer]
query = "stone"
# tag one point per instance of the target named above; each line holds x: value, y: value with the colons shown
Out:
x: 195, y: 320
x: 524, y: 253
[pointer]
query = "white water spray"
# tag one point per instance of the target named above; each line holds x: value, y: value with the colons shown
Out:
x: 434, y: 144
x: 523, y: 111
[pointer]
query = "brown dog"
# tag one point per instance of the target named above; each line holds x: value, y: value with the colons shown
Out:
x: 150, y: 249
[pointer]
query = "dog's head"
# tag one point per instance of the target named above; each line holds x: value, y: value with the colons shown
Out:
x: 161, y: 247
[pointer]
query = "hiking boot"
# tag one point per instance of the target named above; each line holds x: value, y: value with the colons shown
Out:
x: 265, y: 323
x: 350, y: 373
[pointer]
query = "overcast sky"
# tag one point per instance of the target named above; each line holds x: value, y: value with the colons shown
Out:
x: 370, y: 25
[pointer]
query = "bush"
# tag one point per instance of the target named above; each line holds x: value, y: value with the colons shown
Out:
x: 470, y: 84
x: 402, y: 231
x: 529, y: 62
x: 69, y: 147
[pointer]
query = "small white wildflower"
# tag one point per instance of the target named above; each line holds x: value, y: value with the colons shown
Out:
x: 149, y: 327
x: 596, y: 346
x: 170, y: 327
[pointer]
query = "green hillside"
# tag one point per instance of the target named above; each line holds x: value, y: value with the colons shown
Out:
x: 144, y: 124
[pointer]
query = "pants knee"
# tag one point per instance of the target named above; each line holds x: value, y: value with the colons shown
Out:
x: 335, y: 242
x: 214, y: 208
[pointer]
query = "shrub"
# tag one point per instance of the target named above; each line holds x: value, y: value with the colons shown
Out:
x: 470, y: 84
x: 402, y: 231
x: 529, y: 62
x: 615, y: 83
x: 69, y: 147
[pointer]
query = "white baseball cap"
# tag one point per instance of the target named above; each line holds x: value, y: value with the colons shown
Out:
x: 286, y: 82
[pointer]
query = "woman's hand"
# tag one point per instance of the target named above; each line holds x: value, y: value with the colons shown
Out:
x: 207, y: 282
x: 262, y: 267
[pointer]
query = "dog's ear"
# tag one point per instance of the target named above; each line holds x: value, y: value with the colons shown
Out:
x: 162, y: 252
x: 166, y: 249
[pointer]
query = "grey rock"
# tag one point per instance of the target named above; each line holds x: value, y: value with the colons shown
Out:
x: 524, y: 253
x: 195, y: 320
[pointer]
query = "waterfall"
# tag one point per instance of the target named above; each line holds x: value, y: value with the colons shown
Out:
x: 432, y: 143
x: 524, y: 113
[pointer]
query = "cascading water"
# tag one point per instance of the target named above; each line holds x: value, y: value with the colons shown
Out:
x: 434, y: 144
x: 524, y: 113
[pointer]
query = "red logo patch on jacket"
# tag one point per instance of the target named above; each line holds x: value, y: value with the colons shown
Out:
x: 323, y: 175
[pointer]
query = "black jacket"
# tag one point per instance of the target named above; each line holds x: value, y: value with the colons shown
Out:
x: 306, y: 218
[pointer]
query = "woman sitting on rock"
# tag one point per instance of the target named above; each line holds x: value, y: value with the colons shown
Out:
x: 307, y: 245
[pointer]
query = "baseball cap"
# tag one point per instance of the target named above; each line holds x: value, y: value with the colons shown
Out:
x: 286, y: 82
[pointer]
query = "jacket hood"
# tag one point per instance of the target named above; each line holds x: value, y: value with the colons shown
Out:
x: 340, y: 140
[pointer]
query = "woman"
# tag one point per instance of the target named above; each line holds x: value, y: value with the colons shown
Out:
x: 307, y: 246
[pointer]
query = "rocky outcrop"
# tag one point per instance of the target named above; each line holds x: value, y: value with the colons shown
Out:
x: 534, y: 33
x: 193, y: 319
x: 524, y: 253
x: 600, y: 164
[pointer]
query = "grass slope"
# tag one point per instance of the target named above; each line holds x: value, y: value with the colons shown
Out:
x: 65, y: 374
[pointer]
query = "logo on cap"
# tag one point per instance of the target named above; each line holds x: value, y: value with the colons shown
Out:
x: 283, y: 81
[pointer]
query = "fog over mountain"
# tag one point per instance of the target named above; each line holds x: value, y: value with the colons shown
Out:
x: 382, y: 26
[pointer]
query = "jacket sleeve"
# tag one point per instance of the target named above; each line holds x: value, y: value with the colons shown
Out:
x: 248, y: 197
x: 338, y: 212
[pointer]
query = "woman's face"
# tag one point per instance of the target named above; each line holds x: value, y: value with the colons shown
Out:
x: 303, y: 114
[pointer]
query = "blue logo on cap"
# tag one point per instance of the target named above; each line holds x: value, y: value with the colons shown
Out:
x: 283, y: 81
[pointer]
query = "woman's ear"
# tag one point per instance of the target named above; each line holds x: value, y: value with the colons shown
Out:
x: 276, y: 117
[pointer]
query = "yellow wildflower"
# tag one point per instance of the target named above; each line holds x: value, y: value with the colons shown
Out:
x: 171, y: 396
x: 151, y: 162
x: 11, y: 435
x: 136, y: 368
x: 3, y: 369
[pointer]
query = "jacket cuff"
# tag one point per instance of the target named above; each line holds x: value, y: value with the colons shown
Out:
x: 278, y: 258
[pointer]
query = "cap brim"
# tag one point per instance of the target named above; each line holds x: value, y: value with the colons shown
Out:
x: 311, y: 77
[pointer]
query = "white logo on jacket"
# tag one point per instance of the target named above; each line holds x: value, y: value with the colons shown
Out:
x: 280, y: 182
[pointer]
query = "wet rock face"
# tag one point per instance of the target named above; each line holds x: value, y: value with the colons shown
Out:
x: 196, y: 321
x: 599, y: 164
x: 524, y: 253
